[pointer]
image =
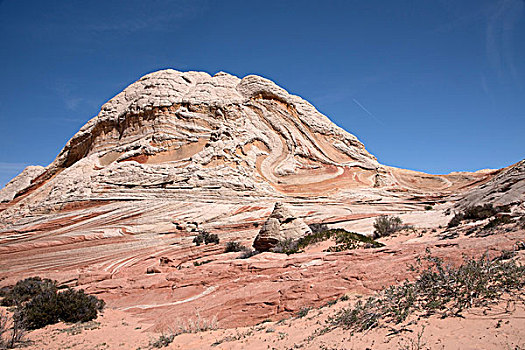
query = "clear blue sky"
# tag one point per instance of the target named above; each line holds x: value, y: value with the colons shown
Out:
x: 428, y: 85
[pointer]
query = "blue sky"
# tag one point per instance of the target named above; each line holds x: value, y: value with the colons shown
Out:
x: 435, y: 86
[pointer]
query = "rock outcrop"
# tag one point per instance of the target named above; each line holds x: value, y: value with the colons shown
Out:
x: 507, y: 187
x: 20, y: 183
x: 280, y: 226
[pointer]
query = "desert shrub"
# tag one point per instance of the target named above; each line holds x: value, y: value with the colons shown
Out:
x: 498, y: 220
x: 77, y: 306
x: 247, y: 253
x: 11, y: 331
x: 318, y: 227
x: 41, y: 310
x: 286, y: 246
x: 346, y: 240
x: 51, y: 307
x: 234, y: 247
x: 200, y: 263
x: 206, y: 238
x: 428, y: 207
x: 26, y: 289
x: 162, y: 341
x: 387, y: 225
x: 439, y: 288
x: 303, y: 312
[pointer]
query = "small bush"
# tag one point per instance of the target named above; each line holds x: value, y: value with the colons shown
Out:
x: 200, y: 263
x: 497, y: 221
x: 41, y: 310
x: 234, y: 247
x: 206, y: 238
x: 318, y: 227
x: 77, y: 306
x: 286, y: 246
x: 247, y: 253
x: 387, y: 225
x: 303, y: 312
x: 163, y: 341
x: 428, y: 207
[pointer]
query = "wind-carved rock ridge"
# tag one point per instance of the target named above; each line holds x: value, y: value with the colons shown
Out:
x: 189, y: 134
x: 185, y: 130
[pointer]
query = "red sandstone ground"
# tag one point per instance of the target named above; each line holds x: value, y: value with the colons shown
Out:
x: 240, y: 294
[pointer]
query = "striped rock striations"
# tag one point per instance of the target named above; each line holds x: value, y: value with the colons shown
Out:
x: 176, y: 151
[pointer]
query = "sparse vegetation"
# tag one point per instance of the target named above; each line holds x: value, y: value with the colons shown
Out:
x: 196, y: 325
x: 439, y: 288
x: 344, y: 240
x: 234, y: 247
x: 286, y: 246
x: 303, y: 312
x: 318, y: 227
x: 247, y: 253
x: 12, y: 330
x: 206, y: 238
x: 428, y: 207
x: 200, y: 263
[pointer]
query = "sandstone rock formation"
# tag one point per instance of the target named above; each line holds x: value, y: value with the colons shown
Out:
x: 179, y: 150
x: 281, y: 225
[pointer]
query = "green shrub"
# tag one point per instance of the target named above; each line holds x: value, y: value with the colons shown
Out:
x: 428, y: 207
x: 234, y: 247
x: 247, y: 253
x: 26, y: 289
x: 41, y: 310
x: 39, y: 303
x: 77, y: 306
x: 387, y: 225
x: 206, y: 238
x: 51, y: 307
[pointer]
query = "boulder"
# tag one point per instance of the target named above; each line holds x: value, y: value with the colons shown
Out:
x: 281, y: 225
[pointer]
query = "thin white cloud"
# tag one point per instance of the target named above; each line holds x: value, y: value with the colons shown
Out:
x: 6, y: 166
x: 367, y: 111
x: 65, y: 92
x: 499, y: 39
